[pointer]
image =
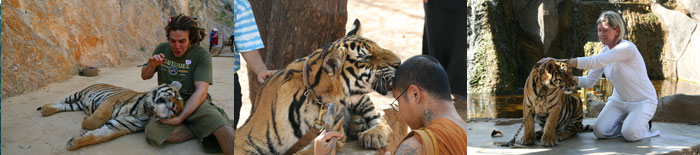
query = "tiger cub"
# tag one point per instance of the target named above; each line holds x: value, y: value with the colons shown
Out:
x: 548, y: 101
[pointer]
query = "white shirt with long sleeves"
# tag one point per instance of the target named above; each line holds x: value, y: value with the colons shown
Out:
x: 624, y: 67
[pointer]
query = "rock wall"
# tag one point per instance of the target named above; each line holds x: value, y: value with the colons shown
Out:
x: 682, y: 46
x: 502, y: 40
x: 47, y: 41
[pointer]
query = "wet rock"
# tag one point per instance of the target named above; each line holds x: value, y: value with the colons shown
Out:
x: 678, y: 108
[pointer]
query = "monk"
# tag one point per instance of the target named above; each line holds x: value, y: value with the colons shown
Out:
x: 422, y: 89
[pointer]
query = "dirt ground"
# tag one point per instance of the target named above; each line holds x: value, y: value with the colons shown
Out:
x: 394, y: 24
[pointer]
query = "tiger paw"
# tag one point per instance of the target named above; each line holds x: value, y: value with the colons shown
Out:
x: 70, y: 145
x: 375, y: 137
x: 549, y: 140
x: 527, y: 139
x: 47, y: 110
x: 356, y: 125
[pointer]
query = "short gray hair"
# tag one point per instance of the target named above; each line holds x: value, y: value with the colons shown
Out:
x: 615, y: 21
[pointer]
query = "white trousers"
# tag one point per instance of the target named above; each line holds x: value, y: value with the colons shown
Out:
x: 627, y: 119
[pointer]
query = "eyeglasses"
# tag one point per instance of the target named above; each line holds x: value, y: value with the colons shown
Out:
x: 395, y: 105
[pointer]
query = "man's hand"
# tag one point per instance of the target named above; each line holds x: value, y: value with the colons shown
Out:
x: 323, y: 143
x: 263, y: 75
x: 172, y: 121
x: 156, y: 60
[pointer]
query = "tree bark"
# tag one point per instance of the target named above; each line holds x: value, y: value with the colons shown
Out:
x: 293, y: 29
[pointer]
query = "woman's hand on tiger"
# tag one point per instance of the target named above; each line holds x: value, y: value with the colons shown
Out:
x: 543, y: 60
x: 265, y: 74
x: 156, y: 60
x: 172, y: 121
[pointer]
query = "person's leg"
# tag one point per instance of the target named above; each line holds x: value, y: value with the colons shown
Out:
x: 224, y: 135
x: 156, y: 133
x: 182, y: 133
x: 636, y: 126
x: 237, y: 102
x: 445, y: 37
x: 210, y: 45
x: 207, y: 124
x: 607, y: 125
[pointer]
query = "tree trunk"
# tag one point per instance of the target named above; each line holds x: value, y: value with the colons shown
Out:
x: 293, y: 29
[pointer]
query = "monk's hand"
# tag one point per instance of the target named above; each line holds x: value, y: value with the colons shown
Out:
x: 323, y: 143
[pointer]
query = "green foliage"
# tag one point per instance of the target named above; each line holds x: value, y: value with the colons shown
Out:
x: 224, y: 17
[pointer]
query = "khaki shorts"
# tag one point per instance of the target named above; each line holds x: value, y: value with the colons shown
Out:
x: 207, y: 118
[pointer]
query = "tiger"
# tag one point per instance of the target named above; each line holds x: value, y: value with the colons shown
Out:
x: 548, y: 101
x: 342, y: 72
x: 115, y: 111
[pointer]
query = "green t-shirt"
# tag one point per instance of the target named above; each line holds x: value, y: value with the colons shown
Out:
x: 195, y: 65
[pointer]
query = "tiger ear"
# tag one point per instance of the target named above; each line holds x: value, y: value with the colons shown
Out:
x: 355, y: 30
x: 176, y: 85
x: 545, y: 75
x: 333, y: 62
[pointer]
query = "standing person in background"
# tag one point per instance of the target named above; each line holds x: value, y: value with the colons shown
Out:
x: 246, y: 41
x: 213, y: 38
x: 445, y: 38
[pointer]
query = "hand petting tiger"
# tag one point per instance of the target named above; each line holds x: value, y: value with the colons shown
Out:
x: 342, y: 72
x: 548, y: 101
x: 115, y: 111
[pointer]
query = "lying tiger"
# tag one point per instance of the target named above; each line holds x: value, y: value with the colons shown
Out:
x: 342, y: 72
x: 115, y: 111
x: 549, y: 102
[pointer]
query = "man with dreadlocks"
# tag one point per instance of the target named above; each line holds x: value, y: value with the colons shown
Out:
x: 181, y: 59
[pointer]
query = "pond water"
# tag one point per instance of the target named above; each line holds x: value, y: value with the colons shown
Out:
x: 511, y: 106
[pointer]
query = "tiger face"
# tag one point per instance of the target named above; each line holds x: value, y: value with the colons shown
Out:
x: 369, y: 67
x: 556, y: 74
x: 167, y: 102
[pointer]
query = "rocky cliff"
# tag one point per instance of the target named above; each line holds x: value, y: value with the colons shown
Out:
x: 47, y: 41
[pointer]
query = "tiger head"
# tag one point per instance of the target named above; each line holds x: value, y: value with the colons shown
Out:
x: 167, y: 102
x: 556, y: 74
x: 363, y: 65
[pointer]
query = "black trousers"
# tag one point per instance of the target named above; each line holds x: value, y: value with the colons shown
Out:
x: 445, y: 38
x: 237, y: 102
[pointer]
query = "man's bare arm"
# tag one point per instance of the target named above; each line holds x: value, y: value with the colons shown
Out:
x: 410, y: 146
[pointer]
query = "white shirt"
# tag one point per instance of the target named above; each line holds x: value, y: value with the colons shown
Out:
x: 624, y: 67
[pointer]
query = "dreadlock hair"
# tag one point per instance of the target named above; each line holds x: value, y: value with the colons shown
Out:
x: 185, y: 23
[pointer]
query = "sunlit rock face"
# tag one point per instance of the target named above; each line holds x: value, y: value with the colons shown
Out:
x: 47, y: 41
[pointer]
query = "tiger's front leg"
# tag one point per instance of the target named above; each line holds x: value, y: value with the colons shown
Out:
x: 549, y: 136
x: 378, y: 133
x: 110, y: 130
x: 529, y: 125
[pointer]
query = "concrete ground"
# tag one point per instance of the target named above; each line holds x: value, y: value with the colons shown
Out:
x: 675, y: 138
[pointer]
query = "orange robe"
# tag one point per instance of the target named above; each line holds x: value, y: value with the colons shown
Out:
x: 446, y: 136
